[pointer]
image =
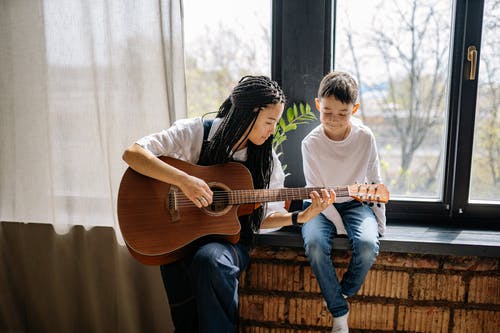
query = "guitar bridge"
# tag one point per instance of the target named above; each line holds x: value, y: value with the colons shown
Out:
x: 172, y: 203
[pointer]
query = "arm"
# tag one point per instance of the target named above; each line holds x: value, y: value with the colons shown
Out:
x: 277, y: 216
x: 149, y: 165
x: 318, y: 204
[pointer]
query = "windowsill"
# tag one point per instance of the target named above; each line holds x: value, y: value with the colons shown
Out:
x: 408, y: 239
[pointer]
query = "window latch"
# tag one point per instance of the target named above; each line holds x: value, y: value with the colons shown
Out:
x: 472, y: 58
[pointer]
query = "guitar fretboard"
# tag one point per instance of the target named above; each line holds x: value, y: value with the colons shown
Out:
x: 237, y: 197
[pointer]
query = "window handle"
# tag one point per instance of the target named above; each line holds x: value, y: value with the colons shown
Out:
x: 472, y: 58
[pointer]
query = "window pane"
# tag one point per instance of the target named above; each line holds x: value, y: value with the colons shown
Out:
x: 224, y: 40
x: 399, y: 52
x: 485, y: 178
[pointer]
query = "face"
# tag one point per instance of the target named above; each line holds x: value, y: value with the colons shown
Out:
x: 265, y: 124
x: 335, y: 115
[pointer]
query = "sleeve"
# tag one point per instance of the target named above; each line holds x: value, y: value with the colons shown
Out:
x: 277, y: 181
x: 183, y: 140
x: 311, y: 176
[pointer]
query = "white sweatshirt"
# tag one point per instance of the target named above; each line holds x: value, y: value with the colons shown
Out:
x: 329, y: 163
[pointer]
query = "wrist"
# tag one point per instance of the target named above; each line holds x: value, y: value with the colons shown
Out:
x: 296, y: 220
x: 302, y: 218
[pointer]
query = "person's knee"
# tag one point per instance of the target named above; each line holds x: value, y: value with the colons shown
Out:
x: 367, y: 250
x: 206, y: 260
x: 315, y: 248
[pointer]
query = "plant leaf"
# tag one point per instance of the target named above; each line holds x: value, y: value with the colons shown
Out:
x: 289, y: 115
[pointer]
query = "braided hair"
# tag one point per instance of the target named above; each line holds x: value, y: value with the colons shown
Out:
x: 239, y: 112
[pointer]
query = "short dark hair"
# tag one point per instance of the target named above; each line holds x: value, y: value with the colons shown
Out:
x: 340, y: 85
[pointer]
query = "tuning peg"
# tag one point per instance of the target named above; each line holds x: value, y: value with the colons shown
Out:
x: 379, y: 205
x: 370, y: 204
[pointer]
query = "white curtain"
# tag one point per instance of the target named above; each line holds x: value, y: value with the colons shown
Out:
x: 79, y: 82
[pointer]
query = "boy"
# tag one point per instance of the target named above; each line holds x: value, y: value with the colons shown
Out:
x: 341, y: 151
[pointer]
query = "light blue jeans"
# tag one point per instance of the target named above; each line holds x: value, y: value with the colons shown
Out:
x: 319, y: 233
x: 203, y: 289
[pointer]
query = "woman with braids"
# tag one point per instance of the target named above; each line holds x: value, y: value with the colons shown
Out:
x: 203, y: 289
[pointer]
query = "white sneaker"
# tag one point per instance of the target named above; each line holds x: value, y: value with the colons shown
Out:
x: 340, y: 324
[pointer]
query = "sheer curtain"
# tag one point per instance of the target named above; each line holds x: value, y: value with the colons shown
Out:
x: 79, y: 82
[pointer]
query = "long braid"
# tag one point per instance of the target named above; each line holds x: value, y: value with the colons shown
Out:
x: 238, y: 112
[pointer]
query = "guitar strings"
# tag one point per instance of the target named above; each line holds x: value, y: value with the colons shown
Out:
x: 249, y: 196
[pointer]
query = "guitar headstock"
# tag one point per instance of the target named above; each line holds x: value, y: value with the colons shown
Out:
x: 369, y: 192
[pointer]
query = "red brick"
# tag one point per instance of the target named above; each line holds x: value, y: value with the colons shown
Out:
x: 466, y: 321
x: 392, y: 284
x: 268, y: 276
x: 262, y: 308
x: 423, y: 319
x: 311, y: 283
x: 278, y: 253
x: 484, y: 289
x: 242, y: 279
x: 406, y: 261
x: 309, y: 311
x: 471, y: 264
x: 259, y: 329
x: 438, y: 287
x: 369, y: 316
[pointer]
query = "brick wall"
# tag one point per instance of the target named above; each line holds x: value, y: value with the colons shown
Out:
x: 402, y: 293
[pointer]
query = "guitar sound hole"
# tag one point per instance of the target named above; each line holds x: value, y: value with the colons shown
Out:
x: 220, y: 200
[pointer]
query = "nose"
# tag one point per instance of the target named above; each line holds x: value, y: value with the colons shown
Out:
x: 273, y: 128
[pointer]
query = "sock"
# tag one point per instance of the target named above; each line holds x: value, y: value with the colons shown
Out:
x: 340, y: 324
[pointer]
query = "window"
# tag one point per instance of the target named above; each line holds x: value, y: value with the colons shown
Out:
x: 434, y: 114
x: 223, y: 41
x: 485, y: 173
x: 399, y: 53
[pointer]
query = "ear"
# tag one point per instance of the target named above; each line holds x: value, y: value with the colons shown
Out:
x: 316, y: 100
x: 355, y: 108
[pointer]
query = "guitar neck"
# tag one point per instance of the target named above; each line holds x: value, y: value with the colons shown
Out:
x: 237, y: 197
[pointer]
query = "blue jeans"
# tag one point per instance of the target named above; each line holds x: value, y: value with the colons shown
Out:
x: 203, y: 289
x: 318, y: 234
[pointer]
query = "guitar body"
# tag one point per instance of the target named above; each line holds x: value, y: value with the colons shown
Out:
x: 158, y: 232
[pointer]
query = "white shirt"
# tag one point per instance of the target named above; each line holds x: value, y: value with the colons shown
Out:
x: 183, y: 141
x: 329, y: 163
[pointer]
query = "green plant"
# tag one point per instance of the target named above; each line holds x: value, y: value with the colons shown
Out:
x: 295, y: 115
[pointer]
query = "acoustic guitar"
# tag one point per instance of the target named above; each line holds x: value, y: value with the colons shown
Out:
x: 160, y: 225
